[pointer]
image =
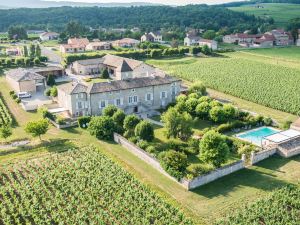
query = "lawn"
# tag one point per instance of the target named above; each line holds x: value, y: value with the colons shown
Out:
x: 268, y: 81
x: 280, y: 12
x: 205, y: 204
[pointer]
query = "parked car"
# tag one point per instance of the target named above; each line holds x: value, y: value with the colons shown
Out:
x: 24, y: 95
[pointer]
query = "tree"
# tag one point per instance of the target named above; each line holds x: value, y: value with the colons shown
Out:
x: 229, y: 110
x: 130, y: 122
x: 209, y: 34
x: 144, y: 130
x: 177, y: 125
x: 191, y: 105
x: 38, y: 51
x: 109, y: 110
x: 173, y: 162
x: 202, y: 110
x: 50, y: 80
x: 118, y: 117
x: 105, y: 74
x: 19, y: 61
x: 197, y: 87
x: 17, y: 32
x: 8, y: 62
x: 37, y: 128
x: 174, y: 43
x: 102, y: 127
x: 25, y: 51
x: 36, y: 61
x: 31, y: 51
x: 74, y: 29
x: 53, y: 91
x: 206, y: 50
x: 217, y: 114
x: 26, y: 61
x: 214, y: 149
x: 5, y: 132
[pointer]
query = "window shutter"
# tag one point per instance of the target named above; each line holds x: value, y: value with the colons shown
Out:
x: 100, y: 105
x: 122, y: 101
x: 151, y: 97
x: 166, y: 94
x: 76, y: 105
x: 146, y: 97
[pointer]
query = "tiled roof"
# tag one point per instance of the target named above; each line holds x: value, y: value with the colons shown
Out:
x: 78, y: 41
x: 130, y: 84
x: 49, y: 34
x: 23, y: 75
x: 73, y: 88
x: 86, y: 62
x: 116, y: 61
x: 124, y: 67
x: 98, y: 43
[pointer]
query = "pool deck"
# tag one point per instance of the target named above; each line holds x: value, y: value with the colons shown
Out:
x: 258, y: 128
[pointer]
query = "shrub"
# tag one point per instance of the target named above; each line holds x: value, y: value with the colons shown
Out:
x: 142, y: 144
x: 202, y: 110
x: 105, y: 74
x: 193, y: 146
x: 60, y: 120
x: 109, y: 110
x: 268, y: 121
x: 14, y: 96
x: 194, y: 95
x: 130, y: 122
x: 205, y: 99
x: 217, y: 114
x: 195, y: 170
x: 119, y: 117
x: 12, y: 93
x: 37, y: 128
x: 151, y: 149
x: 174, y: 163
x: 214, y: 149
x: 197, y: 87
x: 181, y: 98
x: 176, y: 145
x: 36, y: 61
x: 144, y: 130
x: 191, y: 105
x: 83, y: 121
x: 214, y: 103
x: 102, y: 127
x: 53, y: 91
x: 287, y: 124
x: 246, y: 149
x: 18, y: 100
x: 230, y: 111
x: 50, y: 80
x: 47, y: 92
x: 133, y: 140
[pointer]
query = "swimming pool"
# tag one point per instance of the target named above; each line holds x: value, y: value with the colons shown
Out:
x: 256, y: 136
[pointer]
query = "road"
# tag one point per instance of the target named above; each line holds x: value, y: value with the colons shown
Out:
x: 53, y: 58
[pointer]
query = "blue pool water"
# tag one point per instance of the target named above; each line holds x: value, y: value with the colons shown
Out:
x: 256, y: 136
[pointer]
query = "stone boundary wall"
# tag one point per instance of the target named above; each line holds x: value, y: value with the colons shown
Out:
x: 187, y: 184
x: 259, y: 156
x: 215, y: 174
x: 143, y: 155
x: 288, y: 154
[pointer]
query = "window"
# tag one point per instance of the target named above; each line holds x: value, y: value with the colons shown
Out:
x: 117, y: 102
x: 76, y: 96
x: 102, y: 104
x: 79, y: 105
x: 163, y: 94
x: 135, y: 99
x: 148, y: 97
x: 81, y: 95
x: 130, y: 99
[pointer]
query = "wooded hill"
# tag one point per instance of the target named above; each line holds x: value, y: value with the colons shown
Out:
x: 146, y: 17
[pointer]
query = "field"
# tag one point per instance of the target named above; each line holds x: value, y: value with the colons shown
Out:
x: 5, y: 116
x: 281, y: 13
x: 260, y: 77
x: 280, y: 207
x: 97, y: 192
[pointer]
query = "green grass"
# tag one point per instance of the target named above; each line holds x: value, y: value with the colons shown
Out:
x: 204, y: 205
x: 269, y: 81
x: 281, y: 13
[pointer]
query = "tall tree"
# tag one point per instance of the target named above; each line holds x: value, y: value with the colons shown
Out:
x: 37, y: 128
x: 38, y: 51
x: 31, y: 51
x: 17, y: 32
x: 25, y: 51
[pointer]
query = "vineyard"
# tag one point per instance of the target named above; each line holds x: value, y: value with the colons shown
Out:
x: 280, y: 207
x: 5, y: 116
x: 79, y: 187
x: 271, y: 82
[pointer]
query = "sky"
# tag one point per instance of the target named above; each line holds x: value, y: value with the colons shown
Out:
x: 170, y: 2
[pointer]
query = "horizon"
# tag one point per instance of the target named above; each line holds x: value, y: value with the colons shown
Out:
x: 165, y: 2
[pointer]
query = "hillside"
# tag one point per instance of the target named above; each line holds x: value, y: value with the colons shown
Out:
x: 280, y: 12
x: 198, y: 16
x: 46, y: 4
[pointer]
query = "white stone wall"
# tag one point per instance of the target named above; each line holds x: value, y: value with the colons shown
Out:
x: 214, y: 175
x: 259, y: 156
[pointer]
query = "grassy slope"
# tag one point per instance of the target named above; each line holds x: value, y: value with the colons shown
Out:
x: 252, y: 69
x: 204, y: 204
x: 281, y: 13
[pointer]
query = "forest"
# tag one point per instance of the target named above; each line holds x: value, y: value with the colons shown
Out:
x: 147, y: 18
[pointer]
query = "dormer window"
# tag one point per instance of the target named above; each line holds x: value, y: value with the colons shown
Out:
x: 132, y: 90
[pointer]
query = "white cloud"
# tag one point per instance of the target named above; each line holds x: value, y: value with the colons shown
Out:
x: 171, y: 2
